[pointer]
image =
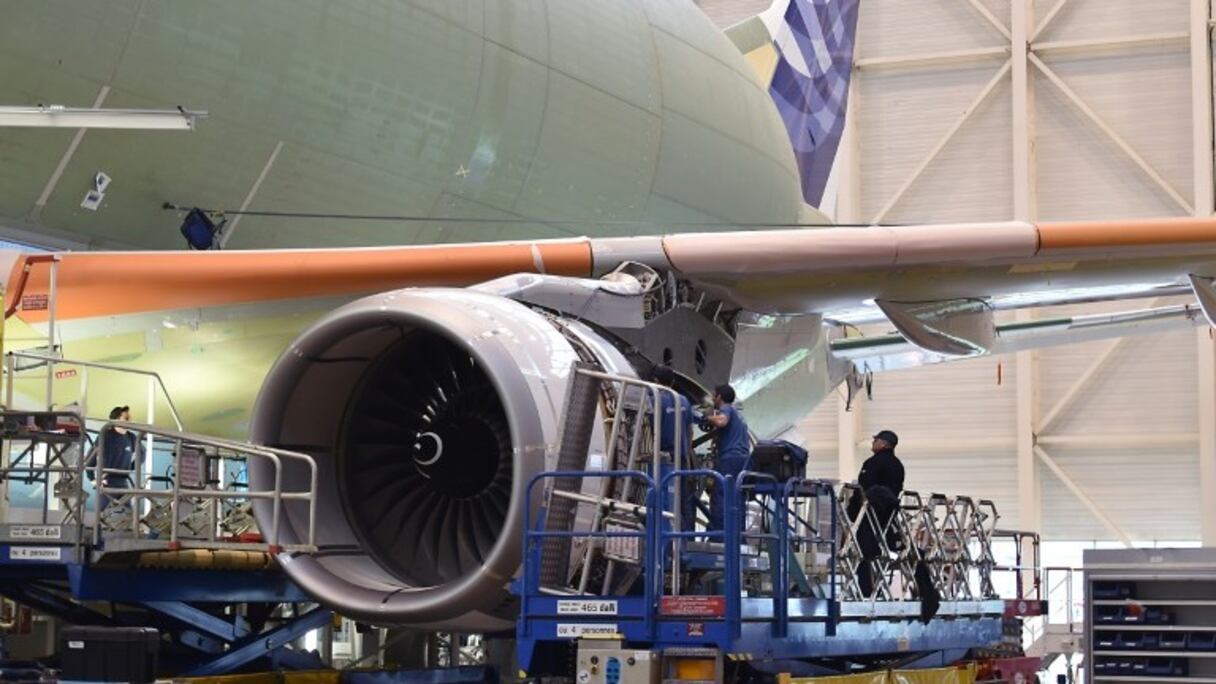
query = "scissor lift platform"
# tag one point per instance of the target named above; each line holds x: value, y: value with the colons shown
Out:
x: 779, y: 631
x: 171, y: 551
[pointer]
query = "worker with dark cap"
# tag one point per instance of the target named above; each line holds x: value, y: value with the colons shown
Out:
x: 881, y: 480
x: 677, y: 417
x: 119, y: 447
x: 883, y: 468
x: 734, y: 446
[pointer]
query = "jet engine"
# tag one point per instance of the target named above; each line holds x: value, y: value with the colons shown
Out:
x: 427, y: 411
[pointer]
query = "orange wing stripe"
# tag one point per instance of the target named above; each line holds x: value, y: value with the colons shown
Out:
x: 1127, y: 233
x: 106, y: 284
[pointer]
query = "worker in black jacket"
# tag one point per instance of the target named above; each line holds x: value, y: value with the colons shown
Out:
x: 883, y: 469
x: 881, y: 480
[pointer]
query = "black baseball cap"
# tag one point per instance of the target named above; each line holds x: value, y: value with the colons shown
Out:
x: 663, y: 375
x: 888, y: 437
x: 118, y: 411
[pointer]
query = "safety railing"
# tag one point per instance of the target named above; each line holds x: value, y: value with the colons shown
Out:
x: 647, y: 406
x: 634, y: 427
x: 49, y: 448
x: 947, y: 539
x: 1066, y: 605
x: 155, y: 382
x: 185, y: 504
x: 657, y: 545
x: 675, y: 480
x: 782, y: 524
x: 641, y: 544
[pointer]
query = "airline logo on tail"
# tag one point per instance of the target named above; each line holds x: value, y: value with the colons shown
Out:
x: 810, y: 83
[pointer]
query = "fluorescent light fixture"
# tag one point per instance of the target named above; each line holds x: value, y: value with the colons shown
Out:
x: 58, y: 116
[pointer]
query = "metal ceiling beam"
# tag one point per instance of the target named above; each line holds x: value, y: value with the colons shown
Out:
x: 1087, y: 44
x: 1025, y: 208
x: 1078, y: 492
x: 1205, y: 204
x: 1046, y: 20
x: 1008, y: 444
x: 53, y: 181
x: 1080, y: 384
x: 58, y: 116
x: 253, y: 191
x: 1105, y: 128
x: 937, y: 149
x: 945, y: 58
x: 848, y: 438
x: 1139, y: 440
x: 1026, y: 378
x: 1205, y: 377
x: 990, y: 18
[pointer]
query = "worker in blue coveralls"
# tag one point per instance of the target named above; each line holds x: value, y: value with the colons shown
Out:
x: 733, y: 446
x: 119, y: 450
x: 678, y: 417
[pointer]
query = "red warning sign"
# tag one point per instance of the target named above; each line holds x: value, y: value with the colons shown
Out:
x: 34, y: 302
x: 693, y: 606
x: 696, y: 628
x: 1024, y: 608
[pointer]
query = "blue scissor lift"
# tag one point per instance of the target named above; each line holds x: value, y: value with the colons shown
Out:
x: 160, y: 553
x: 777, y: 588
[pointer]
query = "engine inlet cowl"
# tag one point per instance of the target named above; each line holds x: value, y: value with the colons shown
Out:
x: 428, y: 411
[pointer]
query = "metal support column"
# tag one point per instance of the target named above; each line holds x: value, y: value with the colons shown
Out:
x: 848, y: 437
x: 1201, y: 126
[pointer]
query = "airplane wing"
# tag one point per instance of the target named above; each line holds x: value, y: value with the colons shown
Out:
x: 935, y: 283
x: 776, y: 271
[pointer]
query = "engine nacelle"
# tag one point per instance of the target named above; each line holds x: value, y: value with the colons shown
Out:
x: 428, y: 411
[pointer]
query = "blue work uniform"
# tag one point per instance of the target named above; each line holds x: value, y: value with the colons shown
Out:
x: 668, y: 426
x: 734, y: 450
x: 118, y: 453
x: 669, y: 420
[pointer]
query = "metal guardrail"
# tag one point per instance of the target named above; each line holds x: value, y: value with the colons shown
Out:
x: 170, y: 499
x: 52, y: 361
x: 55, y: 443
x: 535, y: 535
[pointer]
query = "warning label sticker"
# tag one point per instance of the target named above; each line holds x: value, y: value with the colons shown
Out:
x: 35, y: 532
x: 566, y: 607
x: 575, y: 630
x: 693, y: 606
x: 35, y: 553
x: 34, y: 302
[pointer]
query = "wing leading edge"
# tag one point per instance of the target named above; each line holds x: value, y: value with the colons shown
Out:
x: 777, y: 271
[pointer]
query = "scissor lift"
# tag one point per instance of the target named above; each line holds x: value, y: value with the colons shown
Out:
x: 167, y: 541
x: 778, y: 588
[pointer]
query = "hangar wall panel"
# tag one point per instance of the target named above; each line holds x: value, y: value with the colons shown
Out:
x: 1128, y: 439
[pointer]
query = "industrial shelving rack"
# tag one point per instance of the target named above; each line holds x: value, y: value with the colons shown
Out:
x: 1150, y: 615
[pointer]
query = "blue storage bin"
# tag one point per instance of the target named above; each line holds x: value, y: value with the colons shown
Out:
x: 1156, y: 616
x: 1166, y: 667
x: 1107, y: 641
x: 1202, y: 641
x: 1173, y: 641
x: 1106, y: 591
x: 1125, y: 641
x: 1108, y: 614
